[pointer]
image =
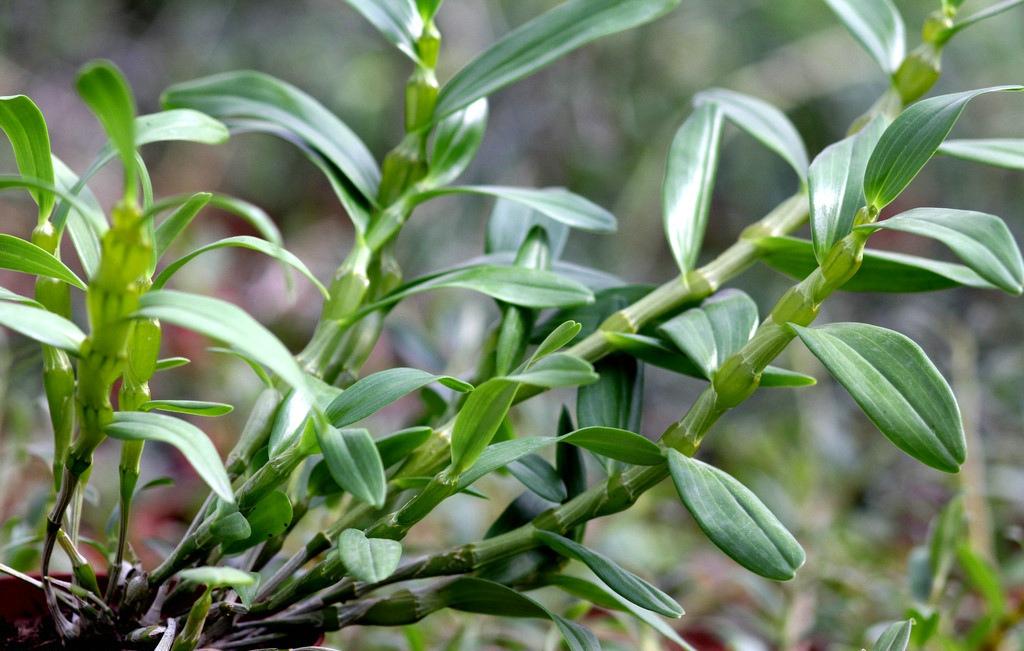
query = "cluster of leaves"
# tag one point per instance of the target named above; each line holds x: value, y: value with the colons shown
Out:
x: 560, y: 326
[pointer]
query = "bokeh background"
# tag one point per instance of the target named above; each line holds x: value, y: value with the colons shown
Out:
x: 599, y: 122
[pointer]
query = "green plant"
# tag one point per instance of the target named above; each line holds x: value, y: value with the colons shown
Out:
x: 553, y: 332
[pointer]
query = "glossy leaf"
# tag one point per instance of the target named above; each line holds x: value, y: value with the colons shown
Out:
x: 500, y: 455
x: 243, y: 242
x: 625, y: 583
x: 895, y: 638
x: 255, y: 96
x: 615, y: 443
x: 40, y: 324
x: 539, y: 476
x: 186, y: 437
x: 557, y: 203
x: 225, y: 322
x: 457, y: 139
x: 368, y: 559
x: 911, y: 140
x: 354, y: 462
x: 709, y: 334
x: 395, y: 447
x: 370, y: 394
x: 84, y: 218
x: 540, y: 41
x: 734, y: 519
x: 557, y: 370
x: 558, y: 338
x: 17, y: 254
x: 880, y: 271
x: 877, y: 26
x: 836, y: 186
x: 219, y: 577
x: 164, y: 126
x: 168, y: 363
x: 762, y: 121
x: 193, y: 407
x: 998, y: 152
x: 170, y: 227
x: 511, y: 222
x: 982, y: 241
x: 269, y: 518
x: 104, y: 89
x: 478, y: 421
x: 897, y: 386
x: 397, y: 20
x: 689, y: 182
x: 25, y: 127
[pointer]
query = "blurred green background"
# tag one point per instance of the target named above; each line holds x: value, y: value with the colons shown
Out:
x: 598, y: 122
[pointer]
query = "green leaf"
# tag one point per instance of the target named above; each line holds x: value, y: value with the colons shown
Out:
x: 511, y: 222
x: 897, y: 386
x: 269, y: 518
x: 104, y: 89
x: 40, y: 324
x: 557, y: 203
x: 231, y: 527
x: 556, y: 340
x: 540, y: 477
x: 998, y: 152
x: 540, y: 41
x: 18, y: 255
x: 500, y: 455
x: 516, y: 285
x: 836, y: 186
x: 773, y: 376
x: 368, y: 559
x: 374, y: 392
x: 895, y: 638
x: 395, y: 447
x: 243, y: 242
x: 25, y: 127
x: 170, y: 228
x: 85, y: 221
x: 225, y: 322
x: 398, y: 21
x: 615, y: 399
x: 625, y: 583
x: 689, y: 183
x: 877, y: 26
x: 911, y: 140
x: 458, y: 137
x: 177, y: 124
x: 981, y: 240
x: 615, y: 443
x: 354, y: 462
x: 557, y: 370
x: 189, y: 439
x: 171, y: 362
x: 880, y: 271
x: 763, y: 122
x: 218, y: 577
x: 9, y: 182
x: 8, y: 295
x: 193, y: 407
x: 709, y: 334
x: 253, y: 96
x: 985, y: 579
x: 734, y: 519
x: 478, y: 421
x: 994, y: 9
x: 251, y: 214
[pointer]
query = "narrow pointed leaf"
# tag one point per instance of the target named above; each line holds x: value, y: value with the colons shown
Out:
x: 993, y: 9
x: 897, y: 386
x: 625, y: 583
x: 982, y: 241
x: 102, y: 86
x: 735, y: 520
x: 84, y: 218
x: 25, y: 127
x: 689, y: 183
x: 911, y: 140
x: 539, y: 476
x: 509, y: 224
x: 256, y: 96
x: 243, y: 242
x: 709, y: 334
x: 618, y: 444
x: 763, y: 122
x: 368, y: 559
x: 542, y: 40
x: 998, y: 152
x: 225, y: 322
x: 354, y: 462
x: 17, y: 254
x: 168, y: 363
x: 836, y: 186
x: 557, y: 370
x: 193, y: 407
x: 895, y: 638
x: 880, y: 271
x: 500, y: 455
x: 877, y: 26
x: 218, y: 577
x: 397, y: 20
x: 395, y: 447
x: 558, y: 339
x: 186, y: 437
x: 458, y: 137
x: 42, y: 325
x: 269, y: 518
x: 479, y: 419
x: 374, y: 392
x: 557, y: 203
x: 170, y: 227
